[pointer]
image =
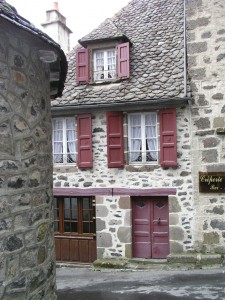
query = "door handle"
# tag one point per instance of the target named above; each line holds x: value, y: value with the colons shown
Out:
x: 158, y: 221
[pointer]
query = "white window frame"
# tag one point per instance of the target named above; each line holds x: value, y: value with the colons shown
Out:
x: 143, y: 158
x: 65, y: 153
x: 103, y: 75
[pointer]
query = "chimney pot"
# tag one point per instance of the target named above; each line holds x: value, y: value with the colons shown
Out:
x: 56, y: 6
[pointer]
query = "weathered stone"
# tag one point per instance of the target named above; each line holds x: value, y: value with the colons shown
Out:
x: 41, y: 256
x: 200, y: 22
x: 176, y: 247
x: 173, y: 219
x: 13, y: 243
x: 209, y: 156
x: 220, y: 57
x: 211, y: 142
x: 174, y: 205
x: 101, y: 211
x: 211, y: 238
x: 124, y: 234
x: 216, y: 224
x: 42, y: 230
x: 176, y: 233
x: 104, y: 239
x: 100, y: 224
x: 206, y: 35
x: 124, y: 202
x: 197, y: 47
x: 202, y: 123
x: 87, y: 184
x: 218, y: 96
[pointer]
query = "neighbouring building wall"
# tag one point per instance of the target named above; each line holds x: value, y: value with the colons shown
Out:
x: 113, y: 212
x: 206, y: 65
x: 27, y: 254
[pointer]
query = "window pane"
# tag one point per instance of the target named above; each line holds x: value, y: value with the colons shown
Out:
x: 86, y: 203
x: 56, y: 226
x: 67, y: 214
x: 66, y: 203
x: 66, y: 226
x: 85, y: 227
x: 74, y: 227
x: 85, y: 215
x: 64, y: 137
x: 56, y: 214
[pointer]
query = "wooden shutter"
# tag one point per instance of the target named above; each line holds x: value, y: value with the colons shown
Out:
x: 84, y: 134
x: 123, y: 61
x: 168, y: 138
x: 82, y: 65
x: 115, y: 148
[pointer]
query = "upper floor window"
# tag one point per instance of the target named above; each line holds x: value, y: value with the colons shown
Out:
x: 64, y: 135
x: 143, y: 137
x: 108, y: 64
x: 104, y: 64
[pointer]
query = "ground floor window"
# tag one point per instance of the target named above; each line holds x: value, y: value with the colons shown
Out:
x: 74, y: 215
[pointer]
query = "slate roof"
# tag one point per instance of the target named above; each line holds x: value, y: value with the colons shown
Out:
x: 9, y: 13
x: 155, y: 29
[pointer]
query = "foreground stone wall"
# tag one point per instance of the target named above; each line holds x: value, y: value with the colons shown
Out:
x: 27, y: 267
x: 206, y: 64
x: 114, y: 212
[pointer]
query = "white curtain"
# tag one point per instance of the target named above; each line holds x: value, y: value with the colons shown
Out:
x: 111, y: 63
x: 150, y: 131
x: 135, y: 131
x: 99, y: 72
x: 58, y: 140
x: 71, y: 146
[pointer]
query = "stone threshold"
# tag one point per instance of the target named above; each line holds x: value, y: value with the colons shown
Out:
x: 172, y: 262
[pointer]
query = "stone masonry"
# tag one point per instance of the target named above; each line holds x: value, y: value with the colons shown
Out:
x: 27, y: 254
x: 206, y: 66
x: 113, y: 213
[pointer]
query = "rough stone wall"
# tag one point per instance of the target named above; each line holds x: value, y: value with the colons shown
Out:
x: 206, y: 65
x: 27, y: 268
x: 114, y: 212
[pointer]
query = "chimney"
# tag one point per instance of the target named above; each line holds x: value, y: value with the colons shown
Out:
x: 56, y: 6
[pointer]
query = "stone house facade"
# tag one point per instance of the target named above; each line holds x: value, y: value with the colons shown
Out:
x: 206, y: 61
x: 32, y: 70
x: 125, y: 165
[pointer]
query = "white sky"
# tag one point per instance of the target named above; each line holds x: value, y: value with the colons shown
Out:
x: 82, y: 16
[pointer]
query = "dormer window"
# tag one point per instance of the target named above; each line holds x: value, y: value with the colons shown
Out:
x: 102, y: 64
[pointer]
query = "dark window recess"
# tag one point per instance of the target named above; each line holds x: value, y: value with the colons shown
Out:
x: 74, y: 216
x: 168, y: 138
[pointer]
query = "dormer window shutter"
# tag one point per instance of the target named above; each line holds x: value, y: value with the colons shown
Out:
x: 124, y: 60
x: 84, y: 135
x: 168, y: 138
x: 115, y: 147
x: 82, y: 65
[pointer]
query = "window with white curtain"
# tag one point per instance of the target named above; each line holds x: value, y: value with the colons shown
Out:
x: 64, y: 136
x: 104, y: 64
x: 142, y: 137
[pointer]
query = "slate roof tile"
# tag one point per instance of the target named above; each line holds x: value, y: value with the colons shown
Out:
x: 155, y: 29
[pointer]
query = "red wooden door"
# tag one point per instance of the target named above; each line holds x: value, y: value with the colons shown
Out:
x: 150, y: 228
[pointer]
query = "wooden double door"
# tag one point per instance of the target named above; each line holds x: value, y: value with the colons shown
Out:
x: 150, y: 227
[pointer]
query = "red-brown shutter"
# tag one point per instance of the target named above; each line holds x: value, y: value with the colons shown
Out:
x: 168, y: 138
x: 115, y: 148
x: 123, y: 61
x: 84, y: 135
x: 82, y: 65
